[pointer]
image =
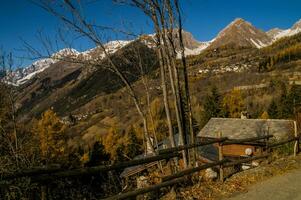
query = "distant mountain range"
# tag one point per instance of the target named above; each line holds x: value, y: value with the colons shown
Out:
x: 239, y: 32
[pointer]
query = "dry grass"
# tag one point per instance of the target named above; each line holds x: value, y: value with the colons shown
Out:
x: 238, y: 183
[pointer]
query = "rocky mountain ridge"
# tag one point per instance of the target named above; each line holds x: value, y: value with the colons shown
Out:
x: 241, y: 33
x: 277, y: 33
x: 238, y: 32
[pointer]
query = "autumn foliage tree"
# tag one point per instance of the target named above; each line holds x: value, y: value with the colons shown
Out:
x: 233, y: 103
x: 264, y: 115
x: 157, y: 117
x: 122, y: 145
x: 51, y: 133
x: 111, y: 142
x: 291, y: 53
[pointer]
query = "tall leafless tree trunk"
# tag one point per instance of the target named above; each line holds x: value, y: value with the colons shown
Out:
x: 78, y: 24
x: 166, y: 17
x: 167, y: 21
x: 7, y: 62
x: 186, y: 82
x: 165, y: 65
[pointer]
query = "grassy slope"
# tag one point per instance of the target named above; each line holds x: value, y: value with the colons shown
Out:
x: 78, y: 87
x: 106, y: 104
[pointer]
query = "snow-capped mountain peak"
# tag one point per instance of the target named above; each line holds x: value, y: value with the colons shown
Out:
x: 241, y: 33
x: 297, y: 25
x: 273, y: 32
x: 67, y: 52
x: 296, y: 28
x: 21, y: 76
x: 111, y: 47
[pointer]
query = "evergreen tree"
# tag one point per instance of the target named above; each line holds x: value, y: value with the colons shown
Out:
x: 273, y: 110
x: 294, y: 100
x: 97, y: 154
x: 212, y: 105
x: 284, y: 110
x: 290, y: 103
x: 120, y: 152
x: 133, y: 145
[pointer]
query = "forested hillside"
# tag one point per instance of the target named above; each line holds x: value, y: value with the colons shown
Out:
x: 127, y: 100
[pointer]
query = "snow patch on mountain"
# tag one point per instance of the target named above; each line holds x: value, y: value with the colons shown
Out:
x: 194, y: 51
x: 286, y: 33
x: 21, y: 76
x: 255, y: 43
x: 259, y: 44
x: 238, y: 31
x: 35, y: 72
x: 278, y: 33
x: 63, y: 53
x: 111, y: 47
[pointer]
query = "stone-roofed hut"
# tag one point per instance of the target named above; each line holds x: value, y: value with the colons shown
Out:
x: 236, y: 128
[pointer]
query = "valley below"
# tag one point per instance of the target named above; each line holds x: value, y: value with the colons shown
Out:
x: 139, y: 117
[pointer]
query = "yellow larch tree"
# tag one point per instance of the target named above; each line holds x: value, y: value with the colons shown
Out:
x: 264, y: 115
x: 233, y: 103
x: 51, y: 132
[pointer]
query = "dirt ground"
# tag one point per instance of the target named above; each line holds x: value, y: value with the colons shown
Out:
x: 286, y: 186
x: 278, y: 178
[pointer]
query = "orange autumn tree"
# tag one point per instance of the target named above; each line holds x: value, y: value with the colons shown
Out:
x: 51, y: 133
x: 122, y: 145
x: 264, y: 115
x: 112, y: 142
x: 233, y: 103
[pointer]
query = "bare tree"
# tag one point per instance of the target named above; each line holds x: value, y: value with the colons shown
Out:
x: 73, y: 18
x: 7, y: 62
x: 167, y: 20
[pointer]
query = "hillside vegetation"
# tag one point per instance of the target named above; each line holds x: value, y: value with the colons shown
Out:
x: 122, y: 105
x: 284, y: 51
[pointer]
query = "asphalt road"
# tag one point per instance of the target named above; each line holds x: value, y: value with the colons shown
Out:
x: 287, y: 186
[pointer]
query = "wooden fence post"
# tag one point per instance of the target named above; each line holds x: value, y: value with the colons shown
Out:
x: 267, y: 142
x: 43, y: 192
x: 220, y: 158
x: 296, y: 146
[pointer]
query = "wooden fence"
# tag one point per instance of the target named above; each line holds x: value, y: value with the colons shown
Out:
x: 50, y: 174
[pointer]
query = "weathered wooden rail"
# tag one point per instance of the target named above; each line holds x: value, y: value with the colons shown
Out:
x: 190, y: 146
x: 245, y: 160
x: 193, y: 170
x: 50, y: 174
x: 283, y: 142
x: 223, y: 163
x: 246, y: 140
x: 41, y: 174
x: 140, y: 191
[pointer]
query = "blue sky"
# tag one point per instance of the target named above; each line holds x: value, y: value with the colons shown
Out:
x: 203, y: 18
